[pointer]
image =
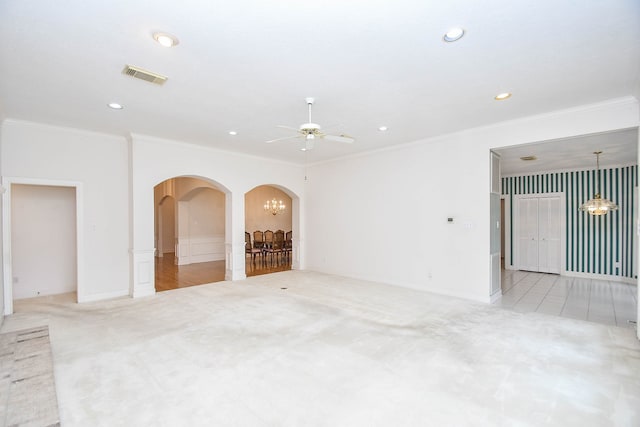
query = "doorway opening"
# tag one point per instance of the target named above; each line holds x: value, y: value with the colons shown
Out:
x: 264, y: 252
x: 559, y: 260
x: 43, y: 236
x: 189, y: 233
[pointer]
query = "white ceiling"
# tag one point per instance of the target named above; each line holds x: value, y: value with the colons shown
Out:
x: 618, y: 149
x: 247, y: 65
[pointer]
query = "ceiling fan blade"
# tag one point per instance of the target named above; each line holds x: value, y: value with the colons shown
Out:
x: 282, y: 139
x: 340, y: 138
x: 288, y: 127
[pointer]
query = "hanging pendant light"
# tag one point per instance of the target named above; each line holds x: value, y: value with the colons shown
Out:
x: 598, y: 205
x: 274, y: 207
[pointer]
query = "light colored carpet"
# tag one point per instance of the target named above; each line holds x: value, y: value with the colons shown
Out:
x: 27, y: 386
x: 330, y: 351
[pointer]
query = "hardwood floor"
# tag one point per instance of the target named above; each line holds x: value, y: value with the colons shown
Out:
x: 171, y: 276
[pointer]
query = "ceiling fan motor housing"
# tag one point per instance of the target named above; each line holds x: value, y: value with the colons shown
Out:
x: 310, y: 130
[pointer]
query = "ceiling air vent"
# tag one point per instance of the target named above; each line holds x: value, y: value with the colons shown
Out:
x: 145, y: 75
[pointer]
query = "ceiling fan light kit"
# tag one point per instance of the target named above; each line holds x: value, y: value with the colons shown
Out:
x: 310, y: 131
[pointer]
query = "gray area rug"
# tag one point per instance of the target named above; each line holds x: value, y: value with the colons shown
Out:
x: 27, y: 385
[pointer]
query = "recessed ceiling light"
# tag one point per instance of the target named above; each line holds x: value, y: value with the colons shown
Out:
x: 453, y: 34
x: 165, y: 39
x: 115, y: 106
x: 528, y: 158
x: 383, y: 128
x: 502, y: 96
x: 233, y: 133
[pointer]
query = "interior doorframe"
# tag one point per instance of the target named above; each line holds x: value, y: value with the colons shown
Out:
x: 7, y: 183
x: 509, y: 264
x: 563, y: 226
x: 160, y: 220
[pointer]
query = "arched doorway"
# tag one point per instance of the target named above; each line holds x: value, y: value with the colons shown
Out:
x: 258, y: 220
x: 189, y: 233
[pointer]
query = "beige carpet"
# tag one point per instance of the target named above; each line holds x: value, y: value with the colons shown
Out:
x: 308, y: 349
x: 27, y: 386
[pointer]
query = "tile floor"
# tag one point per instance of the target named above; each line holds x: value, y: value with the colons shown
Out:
x: 600, y: 301
x: 330, y: 351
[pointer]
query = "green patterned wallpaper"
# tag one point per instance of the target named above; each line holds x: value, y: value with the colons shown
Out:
x: 593, y: 244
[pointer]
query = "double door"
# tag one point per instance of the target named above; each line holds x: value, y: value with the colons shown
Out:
x: 539, y: 234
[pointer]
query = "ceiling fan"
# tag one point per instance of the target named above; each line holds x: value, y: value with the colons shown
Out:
x: 310, y: 131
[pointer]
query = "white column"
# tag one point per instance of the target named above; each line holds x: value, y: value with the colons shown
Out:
x: 295, y: 259
x: 142, y: 272
x: 234, y: 237
x: 141, y: 252
x: 297, y: 243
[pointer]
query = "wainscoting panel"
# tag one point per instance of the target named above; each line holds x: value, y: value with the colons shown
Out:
x: 200, y: 249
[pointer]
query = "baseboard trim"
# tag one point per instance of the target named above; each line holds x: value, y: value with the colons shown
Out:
x: 609, y: 278
x: 143, y: 291
x: 485, y: 299
x: 495, y: 297
x: 103, y: 296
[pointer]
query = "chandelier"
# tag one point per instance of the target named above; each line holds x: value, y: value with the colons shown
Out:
x: 598, y: 205
x: 274, y: 207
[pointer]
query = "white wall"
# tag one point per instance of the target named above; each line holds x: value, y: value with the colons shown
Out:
x: 155, y: 160
x: 383, y: 215
x: 2, y: 255
x: 206, y: 212
x: 100, y: 163
x: 118, y: 176
x: 256, y: 218
x: 201, y: 226
x: 198, y: 218
x: 43, y: 240
x: 379, y: 216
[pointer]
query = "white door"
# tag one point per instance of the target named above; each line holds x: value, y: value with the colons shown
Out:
x: 549, y: 235
x: 528, y: 234
x: 539, y: 234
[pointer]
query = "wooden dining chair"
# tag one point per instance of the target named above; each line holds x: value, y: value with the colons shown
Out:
x: 250, y: 249
x: 258, y: 239
x: 268, y: 239
x: 277, y: 246
x: 288, y: 246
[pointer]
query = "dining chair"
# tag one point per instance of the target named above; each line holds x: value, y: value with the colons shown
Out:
x: 268, y: 239
x: 277, y: 246
x: 288, y: 246
x: 258, y: 239
x: 249, y: 249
